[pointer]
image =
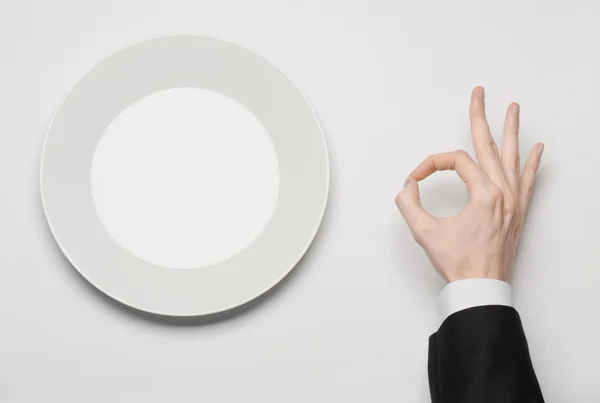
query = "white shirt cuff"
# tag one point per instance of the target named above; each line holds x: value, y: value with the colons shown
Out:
x: 469, y: 293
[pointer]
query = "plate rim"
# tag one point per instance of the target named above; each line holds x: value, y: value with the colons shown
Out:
x: 285, y: 272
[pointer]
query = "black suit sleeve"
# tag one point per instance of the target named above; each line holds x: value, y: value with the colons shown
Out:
x: 480, y: 355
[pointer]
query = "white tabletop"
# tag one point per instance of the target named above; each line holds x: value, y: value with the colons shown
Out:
x: 390, y: 81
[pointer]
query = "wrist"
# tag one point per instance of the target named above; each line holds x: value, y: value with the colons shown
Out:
x: 482, y: 270
x: 476, y: 275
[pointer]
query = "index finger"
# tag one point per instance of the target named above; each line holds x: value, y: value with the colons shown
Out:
x: 459, y: 161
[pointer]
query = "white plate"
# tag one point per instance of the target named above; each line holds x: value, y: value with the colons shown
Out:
x: 173, y: 62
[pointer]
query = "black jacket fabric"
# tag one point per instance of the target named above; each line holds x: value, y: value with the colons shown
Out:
x: 480, y: 355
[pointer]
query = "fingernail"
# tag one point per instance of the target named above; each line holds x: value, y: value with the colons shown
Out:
x: 515, y: 109
x: 407, y: 181
x: 540, y: 149
x: 480, y: 94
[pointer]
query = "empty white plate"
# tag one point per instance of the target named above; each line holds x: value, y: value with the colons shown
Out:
x: 184, y: 175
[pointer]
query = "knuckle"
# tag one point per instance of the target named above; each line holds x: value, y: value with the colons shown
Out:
x: 429, y: 160
x: 478, y: 117
x: 491, y: 196
x: 529, y: 190
x: 418, y: 239
x: 420, y: 231
x: 461, y: 154
x: 518, y: 229
x: 399, y: 199
x: 495, y: 193
x: 510, y: 206
x: 480, y: 198
x: 531, y: 168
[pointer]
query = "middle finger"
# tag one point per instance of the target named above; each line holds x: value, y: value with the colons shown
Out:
x: 486, y: 149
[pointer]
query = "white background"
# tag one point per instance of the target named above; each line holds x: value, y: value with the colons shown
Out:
x: 390, y: 81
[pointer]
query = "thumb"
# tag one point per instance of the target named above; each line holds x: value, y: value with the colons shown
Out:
x: 409, y: 204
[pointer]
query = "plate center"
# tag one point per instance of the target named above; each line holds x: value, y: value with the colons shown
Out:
x: 185, y: 178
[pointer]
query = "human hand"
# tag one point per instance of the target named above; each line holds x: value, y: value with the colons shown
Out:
x: 479, y: 242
